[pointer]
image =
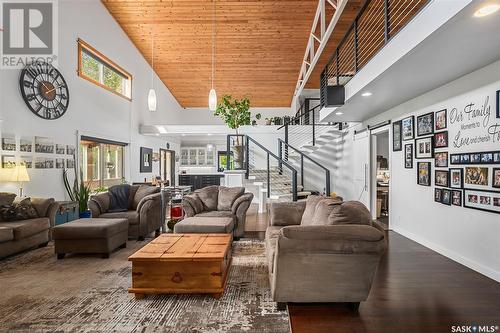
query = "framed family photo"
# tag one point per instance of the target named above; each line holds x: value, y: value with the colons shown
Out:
x: 424, y: 147
x: 496, y: 177
x: 440, y: 120
x: 408, y: 130
x: 498, y: 103
x: 456, y: 197
x: 441, y: 159
x: 456, y: 178
x: 424, y: 173
x: 442, y: 178
x: 441, y: 139
x: 438, y: 195
x: 425, y: 124
x: 483, y: 200
x: 476, y: 178
x: 396, y: 136
x: 409, y: 156
x: 446, y: 199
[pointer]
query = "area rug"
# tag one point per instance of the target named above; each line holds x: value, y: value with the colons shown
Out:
x: 88, y: 294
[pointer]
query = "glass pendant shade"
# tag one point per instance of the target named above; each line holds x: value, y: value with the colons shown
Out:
x: 152, y: 100
x: 212, y: 100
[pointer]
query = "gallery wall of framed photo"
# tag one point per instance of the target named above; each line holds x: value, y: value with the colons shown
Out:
x: 35, y: 152
x: 459, y: 147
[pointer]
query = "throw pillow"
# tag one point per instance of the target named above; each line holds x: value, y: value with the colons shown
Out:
x: 143, y: 191
x: 22, y: 210
x: 350, y: 212
x: 209, y: 197
x: 311, y: 203
x: 6, y: 198
x: 195, y: 202
x: 227, y: 196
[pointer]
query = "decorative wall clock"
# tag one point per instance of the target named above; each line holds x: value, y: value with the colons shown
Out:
x: 44, y: 90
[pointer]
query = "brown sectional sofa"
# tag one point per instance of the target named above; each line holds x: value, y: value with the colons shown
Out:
x: 322, y: 250
x: 213, y: 203
x: 25, y: 234
x: 143, y: 214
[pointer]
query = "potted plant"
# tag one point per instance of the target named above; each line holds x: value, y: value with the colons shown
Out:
x: 79, y: 192
x: 235, y: 113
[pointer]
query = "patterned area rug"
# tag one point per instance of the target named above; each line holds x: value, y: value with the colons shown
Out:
x: 88, y: 294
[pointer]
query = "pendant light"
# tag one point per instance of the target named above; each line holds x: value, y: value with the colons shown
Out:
x: 152, y: 92
x: 212, y: 96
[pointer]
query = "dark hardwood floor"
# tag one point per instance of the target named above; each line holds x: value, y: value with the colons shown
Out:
x: 415, y: 290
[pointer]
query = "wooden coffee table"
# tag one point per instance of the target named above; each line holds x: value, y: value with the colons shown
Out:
x: 182, y: 263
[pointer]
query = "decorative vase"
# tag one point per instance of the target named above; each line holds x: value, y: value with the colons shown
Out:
x: 85, y: 214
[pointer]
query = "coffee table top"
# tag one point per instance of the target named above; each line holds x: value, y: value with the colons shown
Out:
x: 184, y: 247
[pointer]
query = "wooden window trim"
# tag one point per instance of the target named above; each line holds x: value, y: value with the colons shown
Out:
x: 84, y: 45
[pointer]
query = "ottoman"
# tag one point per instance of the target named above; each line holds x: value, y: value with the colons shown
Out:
x: 205, y: 225
x: 90, y: 236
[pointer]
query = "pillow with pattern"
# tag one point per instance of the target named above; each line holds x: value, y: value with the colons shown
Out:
x: 22, y: 210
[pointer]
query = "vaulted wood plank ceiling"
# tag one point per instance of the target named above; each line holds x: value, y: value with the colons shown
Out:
x: 260, y: 45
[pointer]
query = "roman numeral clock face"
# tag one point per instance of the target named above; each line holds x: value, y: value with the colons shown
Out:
x: 44, y: 90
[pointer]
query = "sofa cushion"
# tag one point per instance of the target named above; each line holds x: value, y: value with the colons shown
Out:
x: 143, y: 191
x: 102, y: 200
x: 90, y: 228
x: 6, y: 234
x: 26, y: 228
x: 350, y: 212
x: 131, y: 215
x: 209, y: 197
x: 216, y: 213
x: 207, y: 225
x: 6, y: 198
x: 323, y: 210
x: 286, y: 213
x: 195, y: 202
x: 227, y: 196
x: 133, y: 190
x: 42, y: 205
x: 311, y: 203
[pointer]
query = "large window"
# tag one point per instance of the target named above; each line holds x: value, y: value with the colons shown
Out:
x: 101, y: 162
x: 98, y: 69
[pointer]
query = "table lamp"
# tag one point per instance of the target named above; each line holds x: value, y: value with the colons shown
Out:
x: 19, y: 175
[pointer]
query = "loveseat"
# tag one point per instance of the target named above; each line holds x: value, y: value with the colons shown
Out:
x: 322, y: 250
x: 216, y: 202
x: 17, y: 236
x: 143, y: 212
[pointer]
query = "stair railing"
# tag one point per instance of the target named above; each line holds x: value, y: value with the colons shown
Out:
x: 283, y: 144
x: 246, y: 142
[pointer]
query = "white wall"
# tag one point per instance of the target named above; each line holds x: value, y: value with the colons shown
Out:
x: 92, y: 110
x: 469, y: 236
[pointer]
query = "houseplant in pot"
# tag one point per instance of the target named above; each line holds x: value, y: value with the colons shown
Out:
x: 79, y: 192
x: 235, y: 113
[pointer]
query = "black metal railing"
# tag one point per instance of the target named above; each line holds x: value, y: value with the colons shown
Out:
x: 283, y: 155
x: 243, y: 146
x: 376, y: 23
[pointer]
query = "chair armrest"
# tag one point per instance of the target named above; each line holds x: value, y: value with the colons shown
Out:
x: 286, y: 213
x: 341, y: 239
x: 156, y: 197
x: 51, y: 213
x: 94, y: 208
x: 192, y: 205
x: 246, y: 197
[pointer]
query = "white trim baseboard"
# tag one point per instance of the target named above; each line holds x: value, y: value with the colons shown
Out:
x: 492, y: 274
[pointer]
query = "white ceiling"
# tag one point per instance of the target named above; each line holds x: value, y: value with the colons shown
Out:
x: 461, y: 46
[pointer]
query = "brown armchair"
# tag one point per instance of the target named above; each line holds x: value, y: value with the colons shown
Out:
x: 143, y: 214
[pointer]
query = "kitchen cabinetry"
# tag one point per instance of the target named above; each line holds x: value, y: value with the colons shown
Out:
x: 193, y: 157
x: 199, y: 181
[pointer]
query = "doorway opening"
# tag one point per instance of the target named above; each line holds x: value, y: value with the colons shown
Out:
x: 167, y: 167
x: 381, y: 177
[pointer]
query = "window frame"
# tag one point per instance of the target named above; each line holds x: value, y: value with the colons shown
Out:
x: 82, y: 45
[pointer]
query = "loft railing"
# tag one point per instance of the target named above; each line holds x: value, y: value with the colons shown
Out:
x: 376, y: 23
x: 259, y: 161
x: 283, y: 148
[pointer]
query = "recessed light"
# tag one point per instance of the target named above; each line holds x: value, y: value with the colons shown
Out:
x: 487, y: 10
x: 366, y: 94
x: 339, y: 113
x: 209, y: 134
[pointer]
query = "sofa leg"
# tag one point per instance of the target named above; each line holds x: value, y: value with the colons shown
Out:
x: 61, y: 255
x: 43, y: 245
x: 236, y: 239
x: 123, y: 246
x: 281, y: 306
x: 157, y: 233
x: 354, y: 306
x: 105, y: 255
x: 140, y: 238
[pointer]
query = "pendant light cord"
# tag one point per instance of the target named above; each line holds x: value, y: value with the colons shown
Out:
x: 213, y: 42
x: 152, y: 57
